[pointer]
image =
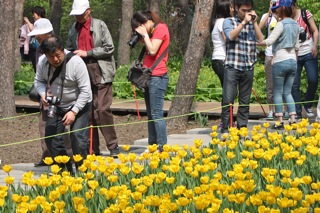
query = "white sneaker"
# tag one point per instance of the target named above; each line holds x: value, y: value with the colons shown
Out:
x: 270, y: 115
x: 308, y: 111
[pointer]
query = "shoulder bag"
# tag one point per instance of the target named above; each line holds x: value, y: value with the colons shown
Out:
x: 139, y: 75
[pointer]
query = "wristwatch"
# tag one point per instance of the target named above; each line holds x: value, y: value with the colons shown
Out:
x: 75, y: 114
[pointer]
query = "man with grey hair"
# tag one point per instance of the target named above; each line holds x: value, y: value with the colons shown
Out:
x: 90, y: 39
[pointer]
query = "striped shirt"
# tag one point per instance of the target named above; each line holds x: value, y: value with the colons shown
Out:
x: 241, y: 52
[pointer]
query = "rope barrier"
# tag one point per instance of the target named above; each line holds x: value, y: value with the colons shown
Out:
x: 134, y: 123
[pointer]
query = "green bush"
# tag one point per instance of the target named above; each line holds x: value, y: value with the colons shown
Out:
x: 23, y: 79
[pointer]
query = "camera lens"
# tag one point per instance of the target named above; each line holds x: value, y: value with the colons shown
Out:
x: 52, y: 110
x: 134, y: 39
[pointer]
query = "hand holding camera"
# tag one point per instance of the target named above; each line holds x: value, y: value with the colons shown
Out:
x: 137, y: 35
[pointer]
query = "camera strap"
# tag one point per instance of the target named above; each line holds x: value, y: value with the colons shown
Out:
x: 60, y: 70
x: 143, y: 51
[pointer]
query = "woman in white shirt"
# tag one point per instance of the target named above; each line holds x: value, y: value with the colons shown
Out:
x: 223, y: 9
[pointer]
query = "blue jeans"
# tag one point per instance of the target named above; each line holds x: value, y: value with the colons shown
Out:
x: 311, y: 66
x: 283, y: 74
x: 234, y: 80
x: 154, y: 98
x: 79, y: 139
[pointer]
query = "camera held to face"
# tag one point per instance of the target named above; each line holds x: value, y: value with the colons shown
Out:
x: 53, y: 101
x: 253, y: 17
x: 134, y: 39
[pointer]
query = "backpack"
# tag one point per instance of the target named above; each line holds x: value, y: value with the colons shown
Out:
x: 305, y: 19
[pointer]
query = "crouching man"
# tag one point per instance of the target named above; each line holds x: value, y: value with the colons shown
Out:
x: 62, y: 80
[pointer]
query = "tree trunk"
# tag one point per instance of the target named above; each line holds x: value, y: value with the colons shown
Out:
x: 18, y: 21
x: 55, y: 15
x: 9, y: 41
x: 186, y: 86
x: 155, y: 6
x: 125, y: 32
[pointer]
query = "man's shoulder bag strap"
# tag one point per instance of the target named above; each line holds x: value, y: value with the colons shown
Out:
x: 61, y: 69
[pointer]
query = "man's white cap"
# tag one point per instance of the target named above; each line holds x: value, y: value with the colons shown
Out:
x: 41, y: 26
x: 79, y: 7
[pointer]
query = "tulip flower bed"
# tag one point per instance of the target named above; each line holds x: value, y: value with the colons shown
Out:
x: 272, y: 172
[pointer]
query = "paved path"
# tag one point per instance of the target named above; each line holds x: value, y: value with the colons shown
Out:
x: 139, y: 146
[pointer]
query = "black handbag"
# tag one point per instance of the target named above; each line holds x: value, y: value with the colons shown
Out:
x: 33, y: 94
x: 139, y: 75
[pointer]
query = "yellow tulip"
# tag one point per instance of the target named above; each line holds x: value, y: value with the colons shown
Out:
x: 204, y: 179
x: 113, y: 178
x: 59, y: 204
x: 78, y: 200
x: 48, y: 161
x: 136, y: 168
x: 93, y: 184
x: 136, y: 195
x: 9, y: 180
x: 125, y: 147
x: 174, y: 168
x: 200, y: 202
x: 16, y: 198
x: 138, y: 207
x: 182, y: 201
x: 77, y: 158
x: 197, y: 142
x: 76, y: 187
x: 316, y: 210
x: 141, y: 188
x: 170, y: 180
x: 7, y: 168
x: 230, y: 155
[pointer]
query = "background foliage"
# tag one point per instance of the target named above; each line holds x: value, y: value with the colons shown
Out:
x: 208, y: 86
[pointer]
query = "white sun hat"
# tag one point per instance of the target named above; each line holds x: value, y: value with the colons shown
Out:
x: 41, y: 26
x: 79, y: 7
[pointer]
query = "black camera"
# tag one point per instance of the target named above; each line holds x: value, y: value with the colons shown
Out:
x: 134, y: 39
x: 53, y: 101
x: 302, y: 35
x: 253, y: 17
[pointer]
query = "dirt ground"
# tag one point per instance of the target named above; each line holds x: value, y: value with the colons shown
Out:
x: 21, y: 132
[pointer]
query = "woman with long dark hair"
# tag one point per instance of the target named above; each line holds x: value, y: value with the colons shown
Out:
x: 222, y: 10
x: 156, y: 38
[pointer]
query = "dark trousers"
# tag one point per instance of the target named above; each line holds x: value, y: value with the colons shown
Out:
x: 79, y: 139
x: 218, y: 68
x: 235, y: 80
x: 101, y: 114
x: 42, y: 128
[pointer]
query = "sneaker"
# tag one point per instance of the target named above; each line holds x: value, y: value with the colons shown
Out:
x: 278, y: 127
x: 270, y: 115
x: 308, y: 112
x: 220, y: 127
x: 286, y: 116
x: 115, y: 152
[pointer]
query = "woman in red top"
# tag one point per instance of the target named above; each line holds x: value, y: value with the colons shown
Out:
x: 155, y: 36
